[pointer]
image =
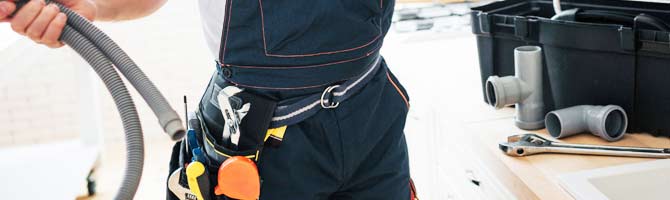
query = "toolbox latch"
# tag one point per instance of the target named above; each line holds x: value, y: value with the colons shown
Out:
x: 627, y: 39
x: 521, y: 27
x: 484, y: 22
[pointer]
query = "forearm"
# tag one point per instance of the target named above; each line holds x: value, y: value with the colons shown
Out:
x: 117, y: 10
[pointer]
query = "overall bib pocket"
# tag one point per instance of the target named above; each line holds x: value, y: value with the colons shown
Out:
x: 297, y: 29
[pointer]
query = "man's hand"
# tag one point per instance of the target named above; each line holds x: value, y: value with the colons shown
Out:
x: 43, y: 23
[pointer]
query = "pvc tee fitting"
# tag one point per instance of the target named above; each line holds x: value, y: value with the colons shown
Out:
x: 608, y: 122
x: 524, y: 89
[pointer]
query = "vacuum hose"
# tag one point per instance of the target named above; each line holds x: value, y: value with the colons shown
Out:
x: 103, y: 55
x: 124, y: 103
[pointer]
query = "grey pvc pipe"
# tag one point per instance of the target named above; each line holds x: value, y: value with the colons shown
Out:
x: 524, y: 89
x: 608, y: 122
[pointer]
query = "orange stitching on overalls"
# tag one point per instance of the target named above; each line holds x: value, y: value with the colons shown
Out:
x: 404, y: 98
x: 265, y: 48
x: 308, y: 66
x: 280, y: 88
x: 225, y: 42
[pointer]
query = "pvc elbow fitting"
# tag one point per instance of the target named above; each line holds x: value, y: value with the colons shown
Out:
x: 524, y: 89
x: 608, y: 122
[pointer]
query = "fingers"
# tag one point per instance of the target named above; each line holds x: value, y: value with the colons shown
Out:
x: 27, y: 15
x: 40, y: 22
x: 6, y: 9
x: 39, y: 25
x: 54, y: 30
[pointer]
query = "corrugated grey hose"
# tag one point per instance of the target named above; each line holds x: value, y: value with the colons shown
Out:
x: 124, y: 103
x: 98, y: 49
x: 167, y: 117
x: 103, y: 55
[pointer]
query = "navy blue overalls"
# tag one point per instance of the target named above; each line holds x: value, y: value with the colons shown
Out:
x: 290, y: 49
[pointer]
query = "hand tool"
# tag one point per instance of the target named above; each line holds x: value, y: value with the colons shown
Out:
x: 194, y: 123
x: 186, y: 112
x: 233, y: 111
x: 191, y: 140
x: 194, y: 147
x: 177, y: 189
x: 238, y: 178
x: 199, y: 155
x: 198, y: 180
x: 530, y: 144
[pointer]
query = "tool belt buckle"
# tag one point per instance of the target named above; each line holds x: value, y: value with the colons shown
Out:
x: 326, y: 97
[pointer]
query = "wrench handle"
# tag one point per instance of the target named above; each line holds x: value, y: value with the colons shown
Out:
x: 609, y: 150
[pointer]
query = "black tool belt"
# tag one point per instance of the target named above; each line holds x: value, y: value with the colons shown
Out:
x: 262, y: 126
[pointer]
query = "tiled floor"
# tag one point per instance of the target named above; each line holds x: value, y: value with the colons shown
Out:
x: 39, y: 94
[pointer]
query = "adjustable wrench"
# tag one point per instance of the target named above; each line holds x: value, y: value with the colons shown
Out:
x: 530, y: 144
x: 180, y: 191
x: 233, y: 111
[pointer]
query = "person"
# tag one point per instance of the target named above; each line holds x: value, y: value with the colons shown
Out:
x: 283, y: 50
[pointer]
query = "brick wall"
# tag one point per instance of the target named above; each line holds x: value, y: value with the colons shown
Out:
x: 37, y: 94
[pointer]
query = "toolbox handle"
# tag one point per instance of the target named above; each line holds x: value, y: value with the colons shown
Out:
x: 521, y: 27
x: 484, y: 22
x: 622, y: 18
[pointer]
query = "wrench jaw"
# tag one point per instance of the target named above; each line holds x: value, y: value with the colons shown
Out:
x: 516, y: 150
x: 524, y: 145
x: 177, y: 189
x: 508, y: 149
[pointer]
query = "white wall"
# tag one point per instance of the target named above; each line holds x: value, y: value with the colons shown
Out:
x: 7, y: 36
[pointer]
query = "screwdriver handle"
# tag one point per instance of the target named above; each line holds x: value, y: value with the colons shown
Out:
x: 198, y: 180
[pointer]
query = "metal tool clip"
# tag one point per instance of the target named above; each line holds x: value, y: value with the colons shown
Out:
x: 233, y: 111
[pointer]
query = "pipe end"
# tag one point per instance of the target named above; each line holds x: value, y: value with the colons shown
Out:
x: 614, y: 123
x: 528, y: 49
x: 491, y: 92
x: 175, y: 130
x: 553, y: 124
x: 503, y: 91
x: 530, y: 125
x: 495, y: 92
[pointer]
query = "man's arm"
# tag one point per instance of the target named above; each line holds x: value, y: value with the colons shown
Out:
x: 44, y: 23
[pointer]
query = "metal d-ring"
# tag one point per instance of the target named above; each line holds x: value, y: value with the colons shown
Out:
x: 324, y: 101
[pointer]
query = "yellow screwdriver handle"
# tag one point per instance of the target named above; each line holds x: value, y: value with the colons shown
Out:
x: 194, y: 171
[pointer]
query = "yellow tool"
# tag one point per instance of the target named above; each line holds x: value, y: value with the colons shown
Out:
x: 198, y: 181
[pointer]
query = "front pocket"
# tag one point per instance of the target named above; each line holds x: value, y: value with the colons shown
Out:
x: 398, y: 88
x: 302, y: 28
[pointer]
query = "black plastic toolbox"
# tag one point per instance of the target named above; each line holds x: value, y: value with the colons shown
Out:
x: 585, y: 62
